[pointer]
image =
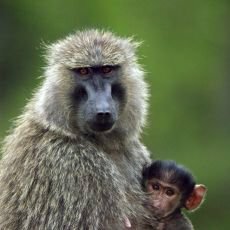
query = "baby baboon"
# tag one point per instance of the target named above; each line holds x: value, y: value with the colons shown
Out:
x: 74, y: 159
x: 170, y: 188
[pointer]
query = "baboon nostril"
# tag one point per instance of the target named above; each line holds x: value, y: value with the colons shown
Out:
x: 103, y: 121
x: 103, y: 115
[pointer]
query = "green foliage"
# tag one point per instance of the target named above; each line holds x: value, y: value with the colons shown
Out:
x: 185, y: 52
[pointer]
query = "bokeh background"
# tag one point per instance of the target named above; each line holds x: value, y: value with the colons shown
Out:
x: 186, y: 55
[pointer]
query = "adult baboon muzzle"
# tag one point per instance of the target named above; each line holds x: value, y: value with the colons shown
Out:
x: 101, y: 108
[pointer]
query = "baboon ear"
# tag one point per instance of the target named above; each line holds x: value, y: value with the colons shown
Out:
x: 196, y: 198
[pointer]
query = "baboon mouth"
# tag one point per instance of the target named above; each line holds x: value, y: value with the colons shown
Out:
x: 101, y: 127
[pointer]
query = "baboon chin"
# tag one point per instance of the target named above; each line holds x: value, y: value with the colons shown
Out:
x: 74, y: 159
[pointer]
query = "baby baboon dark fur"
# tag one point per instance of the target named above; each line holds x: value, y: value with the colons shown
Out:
x: 171, y: 187
x: 74, y: 159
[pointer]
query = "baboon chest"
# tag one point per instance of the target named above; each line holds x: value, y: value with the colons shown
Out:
x: 126, y: 166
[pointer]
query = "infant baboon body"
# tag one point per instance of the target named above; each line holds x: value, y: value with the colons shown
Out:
x: 171, y: 187
x: 74, y: 159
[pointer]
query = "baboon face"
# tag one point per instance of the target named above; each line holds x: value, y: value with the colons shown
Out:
x: 98, y: 97
x: 93, y: 83
x: 165, y: 198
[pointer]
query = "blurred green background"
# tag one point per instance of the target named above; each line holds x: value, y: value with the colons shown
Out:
x: 186, y: 55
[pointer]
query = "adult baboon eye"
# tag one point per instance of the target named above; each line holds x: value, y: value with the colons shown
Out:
x: 156, y: 187
x: 106, y: 69
x: 169, y: 192
x: 83, y: 71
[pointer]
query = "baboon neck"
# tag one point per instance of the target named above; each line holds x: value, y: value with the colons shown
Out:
x: 107, y: 142
x: 173, y: 215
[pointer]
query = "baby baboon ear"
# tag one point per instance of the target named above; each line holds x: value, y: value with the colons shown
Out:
x: 196, y: 198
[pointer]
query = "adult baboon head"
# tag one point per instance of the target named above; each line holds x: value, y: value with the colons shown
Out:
x: 93, y: 84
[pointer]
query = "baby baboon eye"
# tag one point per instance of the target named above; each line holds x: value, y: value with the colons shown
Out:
x: 106, y: 69
x: 156, y: 187
x: 170, y: 192
x: 83, y: 71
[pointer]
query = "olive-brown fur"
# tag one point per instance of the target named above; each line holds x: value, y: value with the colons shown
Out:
x: 55, y: 175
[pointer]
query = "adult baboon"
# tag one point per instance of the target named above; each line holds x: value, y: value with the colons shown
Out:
x: 74, y: 159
